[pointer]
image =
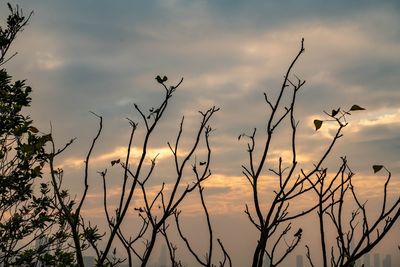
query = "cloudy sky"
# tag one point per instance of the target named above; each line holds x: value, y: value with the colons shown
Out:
x: 102, y: 56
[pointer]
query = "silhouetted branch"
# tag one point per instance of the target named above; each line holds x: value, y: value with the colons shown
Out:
x: 16, y: 23
x: 227, y: 258
x: 371, y: 232
x: 277, y: 212
x: 308, y: 256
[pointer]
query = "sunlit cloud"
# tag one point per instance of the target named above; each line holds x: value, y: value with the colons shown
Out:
x: 360, y: 122
x: 119, y: 153
x: 112, y: 192
x: 48, y: 61
x: 381, y: 117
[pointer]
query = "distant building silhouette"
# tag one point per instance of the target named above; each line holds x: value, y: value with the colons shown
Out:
x: 88, y: 261
x: 299, y: 261
x: 367, y: 260
x: 351, y: 248
x: 377, y: 260
x: 41, y: 246
x: 1, y: 258
x: 41, y: 242
x: 267, y: 261
x: 162, y: 261
x: 387, y: 261
x: 358, y: 263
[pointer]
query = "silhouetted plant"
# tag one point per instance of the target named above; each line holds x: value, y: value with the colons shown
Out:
x: 360, y: 233
x: 26, y: 215
x: 269, y: 221
x: 274, y: 222
x: 201, y: 176
x: 156, y: 211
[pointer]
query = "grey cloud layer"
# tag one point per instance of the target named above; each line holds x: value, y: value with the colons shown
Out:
x: 103, y: 56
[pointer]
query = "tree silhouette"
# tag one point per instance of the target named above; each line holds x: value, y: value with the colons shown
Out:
x: 157, y: 210
x: 274, y: 221
x: 26, y: 215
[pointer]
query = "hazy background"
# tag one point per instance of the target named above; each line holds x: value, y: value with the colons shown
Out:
x: 102, y: 56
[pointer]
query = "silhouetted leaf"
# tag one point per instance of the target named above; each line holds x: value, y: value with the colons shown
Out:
x: 202, y: 163
x: 318, y: 124
x: 33, y: 129
x: 240, y: 136
x: 165, y: 78
x: 140, y: 209
x: 113, y: 162
x: 335, y: 112
x: 36, y: 171
x: 48, y: 137
x: 356, y: 107
x: 159, y: 80
x: 377, y: 168
x: 298, y: 233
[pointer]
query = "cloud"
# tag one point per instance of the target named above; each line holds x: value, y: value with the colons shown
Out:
x: 382, y: 117
x: 48, y: 61
x: 119, y: 153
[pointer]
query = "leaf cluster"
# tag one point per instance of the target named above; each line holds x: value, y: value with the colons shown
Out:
x: 26, y: 213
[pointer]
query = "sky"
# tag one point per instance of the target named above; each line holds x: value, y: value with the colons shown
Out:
x: 102, y: 56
